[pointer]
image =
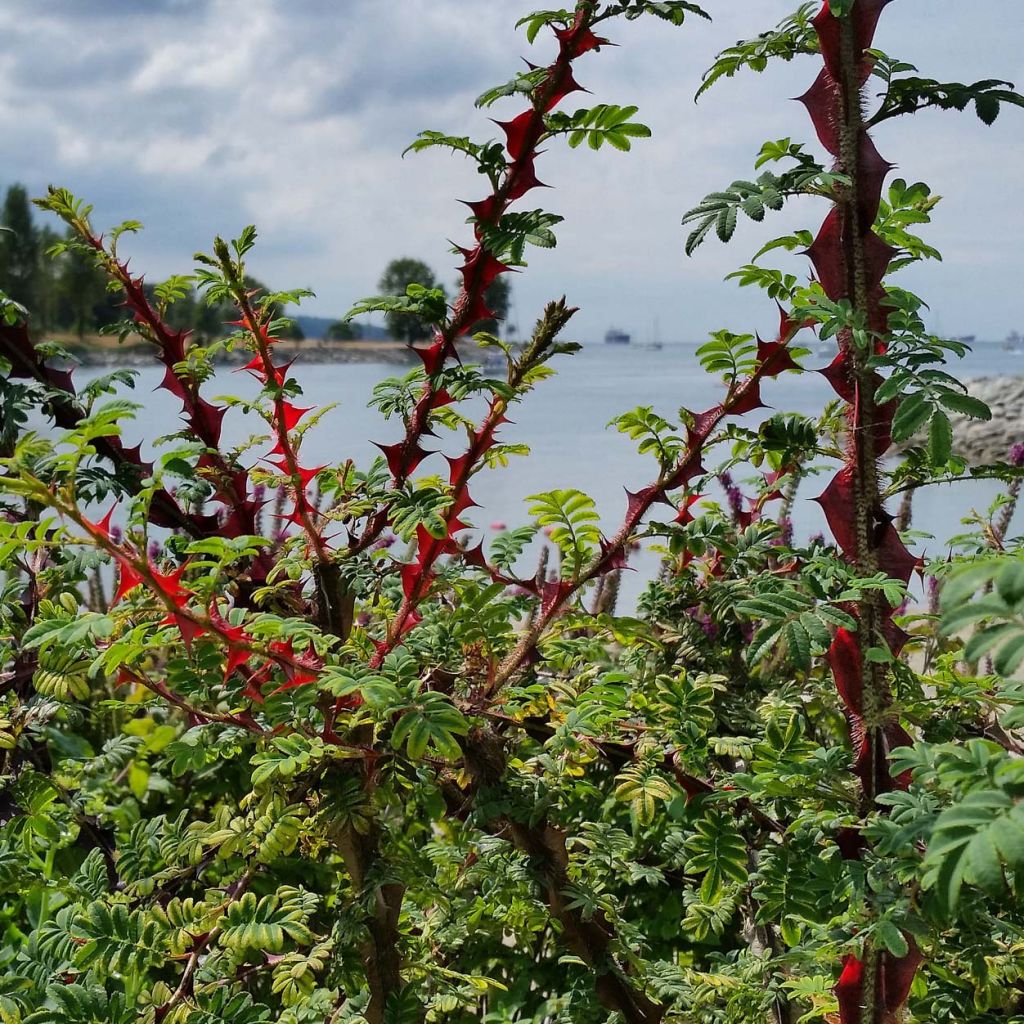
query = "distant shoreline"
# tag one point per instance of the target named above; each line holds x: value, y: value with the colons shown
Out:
x: 105, y: 352
x: 980, y: 442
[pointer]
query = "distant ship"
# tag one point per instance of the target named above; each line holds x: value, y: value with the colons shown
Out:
x: 616, y: 337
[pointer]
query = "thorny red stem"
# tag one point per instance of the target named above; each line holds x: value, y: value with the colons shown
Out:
x: 17, y: 347
x: 282, y: 434
x: 194, y: 714
x: 186, y: 984
x: 432, y: 548
x: 851, y: 261
x: 481, y: 267
x: 742, y: 397
x: 169, y: 592
x: 204, y: 419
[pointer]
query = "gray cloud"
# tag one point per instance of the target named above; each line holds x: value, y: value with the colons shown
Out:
x: 109, y: 9
x: 198, y: 116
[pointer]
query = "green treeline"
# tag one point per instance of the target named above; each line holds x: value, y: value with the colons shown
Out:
x: 68, y: 293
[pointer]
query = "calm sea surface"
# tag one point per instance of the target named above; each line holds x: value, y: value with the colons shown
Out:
x: 564, y: 421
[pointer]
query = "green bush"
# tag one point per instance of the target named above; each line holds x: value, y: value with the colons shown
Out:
x: 264, y: 764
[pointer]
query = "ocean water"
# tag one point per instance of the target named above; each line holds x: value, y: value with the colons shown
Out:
x: 565, y: 423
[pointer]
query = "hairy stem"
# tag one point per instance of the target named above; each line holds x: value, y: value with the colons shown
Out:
x: 867, y: 490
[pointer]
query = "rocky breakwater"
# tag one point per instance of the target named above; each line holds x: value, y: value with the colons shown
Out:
x: 987, y: 441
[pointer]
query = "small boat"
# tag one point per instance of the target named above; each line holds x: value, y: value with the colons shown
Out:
x: 1014, y: 343
x: 616, y: 337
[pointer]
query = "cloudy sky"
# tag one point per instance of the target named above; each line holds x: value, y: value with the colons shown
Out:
x: 200, y: 116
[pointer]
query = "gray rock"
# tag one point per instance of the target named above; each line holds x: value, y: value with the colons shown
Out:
x: 986, y: 441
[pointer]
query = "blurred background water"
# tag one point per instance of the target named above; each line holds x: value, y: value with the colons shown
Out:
x: 565, y: 423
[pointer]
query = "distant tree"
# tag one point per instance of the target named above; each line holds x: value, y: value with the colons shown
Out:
x: 498, y: 298
x: 183, y: 313
x: 45, y: 312
x: 83, y: 302
x: 397, y: 277
x: 293, y: 331
x: 192, y: 313
x: 211, y: 321
x: 343, y: 330
x: 19, y: 248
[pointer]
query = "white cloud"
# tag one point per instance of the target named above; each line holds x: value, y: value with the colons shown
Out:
x: 201, y: 115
